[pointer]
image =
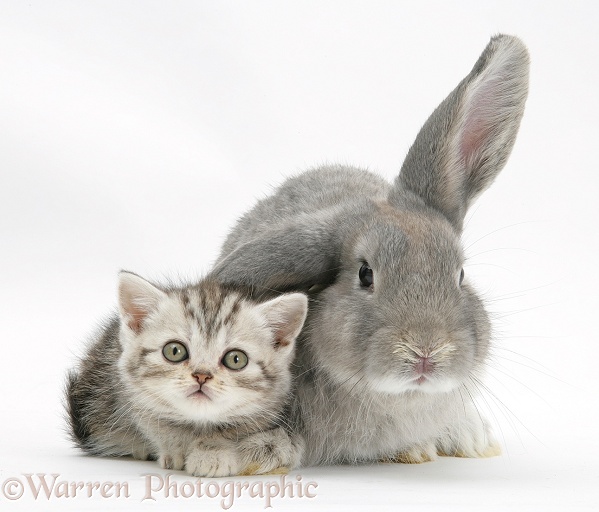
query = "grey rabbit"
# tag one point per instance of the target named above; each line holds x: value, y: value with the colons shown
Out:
x: 396, y: 339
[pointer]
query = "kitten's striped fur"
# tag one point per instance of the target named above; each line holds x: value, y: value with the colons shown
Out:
x: 126, y: 398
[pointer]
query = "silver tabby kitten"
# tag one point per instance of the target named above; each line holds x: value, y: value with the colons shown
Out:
x: 196, y: 377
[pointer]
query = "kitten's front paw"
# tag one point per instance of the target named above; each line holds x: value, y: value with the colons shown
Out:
x: 212, y: 463
x: 172, y: 461
x: 141, y: 452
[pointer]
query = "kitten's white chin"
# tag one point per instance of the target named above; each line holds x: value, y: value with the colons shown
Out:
x: 204, y: 408
x: 200, y: 408
x: 396, y: 386
x: 200, y: 395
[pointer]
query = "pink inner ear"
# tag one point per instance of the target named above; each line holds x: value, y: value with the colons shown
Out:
x: 477, y: 127
x: 137, y: 299
x: 281, y: 340
x: 482, y: 113
x: 474, y: 136
x: 135, y: 317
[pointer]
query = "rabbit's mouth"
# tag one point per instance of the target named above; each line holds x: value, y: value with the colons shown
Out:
x: 424, y: 383
x: 431, y: 385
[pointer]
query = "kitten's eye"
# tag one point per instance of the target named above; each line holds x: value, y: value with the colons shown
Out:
x: 235, y: 360
x: 175, y: 352
x: 366, y: 276
x: 461, y: 277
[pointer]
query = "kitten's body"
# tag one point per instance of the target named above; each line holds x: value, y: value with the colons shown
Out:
x: 126, y: 398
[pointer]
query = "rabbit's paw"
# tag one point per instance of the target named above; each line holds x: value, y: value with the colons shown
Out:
x: 474, y: 440
x: 416, y: 455
x: 256, y: 468
x: 472, y: 450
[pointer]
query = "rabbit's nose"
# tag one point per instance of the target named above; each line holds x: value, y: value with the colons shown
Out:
x: 424, y: 365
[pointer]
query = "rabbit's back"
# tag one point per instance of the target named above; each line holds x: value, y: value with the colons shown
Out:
x: 311, y: 195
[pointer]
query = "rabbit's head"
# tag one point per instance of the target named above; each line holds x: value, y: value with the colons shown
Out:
x: 400, y: 315
x: 394, y: 310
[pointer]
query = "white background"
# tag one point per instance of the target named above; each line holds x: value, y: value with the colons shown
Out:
x: 133, y: 134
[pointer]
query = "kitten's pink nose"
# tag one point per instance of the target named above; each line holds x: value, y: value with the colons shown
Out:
x: 201, y: 377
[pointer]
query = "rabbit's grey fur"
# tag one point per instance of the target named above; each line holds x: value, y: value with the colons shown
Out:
x: 361, y: 394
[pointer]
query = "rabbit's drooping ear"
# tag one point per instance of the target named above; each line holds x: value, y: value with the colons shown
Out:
x: 295, y: 256
x: 468, y: 138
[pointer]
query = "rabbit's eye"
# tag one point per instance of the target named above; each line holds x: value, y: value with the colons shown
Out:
x: 366, y: 276
x: 461, y: 277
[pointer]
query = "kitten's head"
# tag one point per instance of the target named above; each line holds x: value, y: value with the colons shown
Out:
x: 206, y: 353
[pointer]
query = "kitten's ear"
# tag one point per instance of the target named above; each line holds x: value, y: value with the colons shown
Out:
x: 137, y: 299
x: 285, y: 316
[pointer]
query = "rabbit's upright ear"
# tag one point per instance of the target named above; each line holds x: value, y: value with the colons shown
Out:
x: 293, y: 257
x: 468, y: 138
